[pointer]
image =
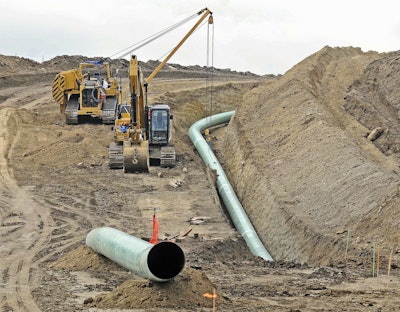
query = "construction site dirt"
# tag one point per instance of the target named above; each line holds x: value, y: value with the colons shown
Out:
x: 313, y: 156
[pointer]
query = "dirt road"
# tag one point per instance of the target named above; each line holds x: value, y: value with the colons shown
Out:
x: 56, y: 186
x: 25, y: 226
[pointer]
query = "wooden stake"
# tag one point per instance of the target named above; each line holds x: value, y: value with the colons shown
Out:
x: 373, y: 260
x: 347, y: 245
x: 389, y: 265
x: 214, y: 298
x: 378, y: 260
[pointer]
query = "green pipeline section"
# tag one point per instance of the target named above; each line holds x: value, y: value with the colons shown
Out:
x: 159, y: 263
x: 234, y: 207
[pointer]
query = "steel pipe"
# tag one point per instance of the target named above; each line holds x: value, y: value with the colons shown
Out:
x: 159, y: 263
x: 232, y: 203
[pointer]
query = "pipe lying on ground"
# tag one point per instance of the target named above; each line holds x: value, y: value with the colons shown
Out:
x: 159, y: 263
x: 232, y: 203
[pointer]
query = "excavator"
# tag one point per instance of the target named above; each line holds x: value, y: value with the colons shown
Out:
x: 142, y: 136
x: 89, y: 90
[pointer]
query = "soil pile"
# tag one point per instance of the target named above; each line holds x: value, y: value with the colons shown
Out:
x: 19, y: 65
x: 373, y: 100
x: 302, y: 165
x: 185, y: 291
x: 19, y: 71
x: 16, y: 65
x: 190, y: 289
x: 83, y: 258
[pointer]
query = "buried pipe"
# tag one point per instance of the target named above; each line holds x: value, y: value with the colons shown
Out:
x: 232, y: 203
x: 159, y: 263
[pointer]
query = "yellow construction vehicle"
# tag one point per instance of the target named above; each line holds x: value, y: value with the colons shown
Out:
x: 145, y: 140
x: 89, y: 90
x: 142, y: 133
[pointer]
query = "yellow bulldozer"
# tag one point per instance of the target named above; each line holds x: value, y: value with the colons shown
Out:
x: 89, y: 90
x: 142, y: 132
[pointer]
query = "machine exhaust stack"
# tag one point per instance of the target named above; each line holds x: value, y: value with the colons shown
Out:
x: 159, y: 263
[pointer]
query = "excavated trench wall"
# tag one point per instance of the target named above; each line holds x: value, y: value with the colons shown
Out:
x: 300, y: 174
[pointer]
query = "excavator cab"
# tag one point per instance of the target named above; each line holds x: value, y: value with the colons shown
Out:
x: 87, y: 91
x: 161, y: 153
x: 92, y: 95
x: 159, y: 125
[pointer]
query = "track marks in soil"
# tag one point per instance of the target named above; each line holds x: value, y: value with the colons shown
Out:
x: 24, y: 227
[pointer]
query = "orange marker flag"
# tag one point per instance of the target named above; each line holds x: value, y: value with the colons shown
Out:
x: 213, y: 296
x: 154, y: 236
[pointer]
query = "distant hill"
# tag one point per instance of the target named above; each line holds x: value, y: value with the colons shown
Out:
x: 18, y: 65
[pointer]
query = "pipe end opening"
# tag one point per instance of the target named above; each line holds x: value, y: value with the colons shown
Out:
x: 166, y: 260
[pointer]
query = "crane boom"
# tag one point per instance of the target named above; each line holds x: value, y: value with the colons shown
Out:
x: 205, y: 12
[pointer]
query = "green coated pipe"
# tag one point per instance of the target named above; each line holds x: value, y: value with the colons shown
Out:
x: 232, y: 203
x: 159, y: 263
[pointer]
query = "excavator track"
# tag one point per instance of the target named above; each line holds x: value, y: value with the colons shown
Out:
x: 109, y: 110
x: 115, y: 156
x: 136, y: 157
x: 71, y: 110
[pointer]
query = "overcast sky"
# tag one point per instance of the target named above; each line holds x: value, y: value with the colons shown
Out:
x: 261, y: 36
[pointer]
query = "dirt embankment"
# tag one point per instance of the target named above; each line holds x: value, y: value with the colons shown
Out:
x: 303, y: 167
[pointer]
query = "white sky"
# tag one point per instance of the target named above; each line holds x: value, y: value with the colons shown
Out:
x: 261, y: 36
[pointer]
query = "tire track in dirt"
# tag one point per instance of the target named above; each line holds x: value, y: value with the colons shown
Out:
x: 25, y: 220
x: 72, y: 222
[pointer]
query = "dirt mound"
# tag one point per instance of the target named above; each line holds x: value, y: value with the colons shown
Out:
x: 373, y: 101
x: 184, y: 291
x: 84, y: 259
x: 15, y: 64
x: 301, y: 164
x: 66, y: 62
x: 16, y: 71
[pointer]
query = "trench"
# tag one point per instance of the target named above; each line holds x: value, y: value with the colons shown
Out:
x: 235, y: 210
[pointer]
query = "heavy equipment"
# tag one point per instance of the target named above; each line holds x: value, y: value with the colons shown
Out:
x: 142, y: 132
x: 89, y: 90
x: 144, y: 140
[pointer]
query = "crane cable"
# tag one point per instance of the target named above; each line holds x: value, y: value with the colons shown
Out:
x: 210, y: 68
x: 168, y: 52
x: 142, y: 43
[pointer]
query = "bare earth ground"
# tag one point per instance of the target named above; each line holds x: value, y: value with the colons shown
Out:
x: 296, y: 151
